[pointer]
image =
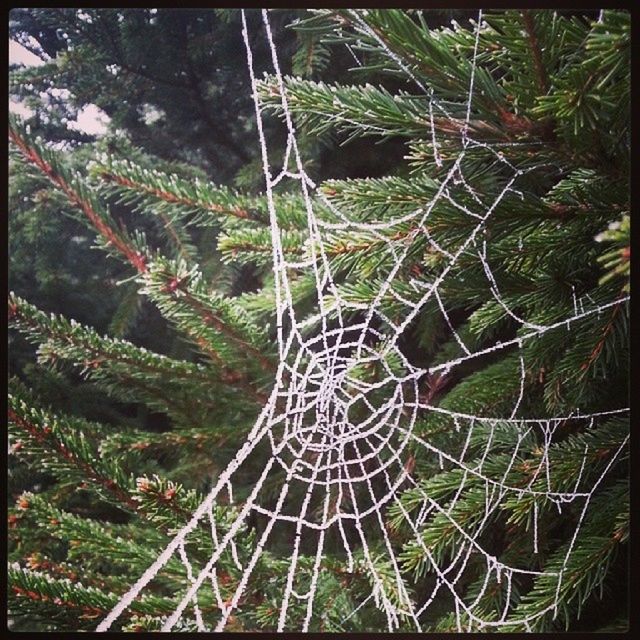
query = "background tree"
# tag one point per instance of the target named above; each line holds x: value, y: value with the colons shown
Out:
x: 174, y: 80
x: 550, y: 91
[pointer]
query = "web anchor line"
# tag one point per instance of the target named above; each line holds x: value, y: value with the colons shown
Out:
x: 344, y: 444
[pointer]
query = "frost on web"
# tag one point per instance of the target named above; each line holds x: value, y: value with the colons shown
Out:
x: 341, y: 437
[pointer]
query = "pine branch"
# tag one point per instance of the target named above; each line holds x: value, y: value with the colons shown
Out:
x: 64, y: 570
x: 574, y: 578
x: 179, y: 388
x: 66, y: 451
x: 590, y: 451
x: 256, y: 246
x: 152, y: 187
x: 179, y: 238
x: 62, y: 446
x: 195, y: 202
x: 442, y: 59
x: 170, y: 281
x: 129, y: 548
x: 176, y: 442
x: 48, y: 163
x: 37, y: 594
x: 321, y: 107
x: 541, y: 75
x: 597, y: 350
x: 72, y: 341
x: 208, y: 319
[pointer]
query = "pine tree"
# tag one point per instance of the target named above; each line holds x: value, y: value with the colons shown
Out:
x: 550, y: 99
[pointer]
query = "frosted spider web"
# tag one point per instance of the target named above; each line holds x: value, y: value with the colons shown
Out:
x: 339, y: 438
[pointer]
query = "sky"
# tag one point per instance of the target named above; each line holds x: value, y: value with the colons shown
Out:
x: 91, y: 119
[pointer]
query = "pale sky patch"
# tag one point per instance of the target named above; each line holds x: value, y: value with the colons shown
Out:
x: 21, y: 55
x: 91, y: 119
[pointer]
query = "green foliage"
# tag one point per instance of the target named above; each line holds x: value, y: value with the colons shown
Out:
x: 522, y: 233
x: 616, y: 261
x: 159, y: 76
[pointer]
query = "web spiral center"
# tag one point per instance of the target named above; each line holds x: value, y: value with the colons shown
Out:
x: 336, y: 427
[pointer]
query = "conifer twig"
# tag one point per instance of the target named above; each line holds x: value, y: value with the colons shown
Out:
x: 112, y: 237
x: 172, y: 198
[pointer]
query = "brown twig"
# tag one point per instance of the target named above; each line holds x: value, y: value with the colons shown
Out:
x: 212, y: 320
x: 42, y: 436
x: 600, y: 344
x: 134, y: 257
x: 541, y: 75
x: 172, y: 198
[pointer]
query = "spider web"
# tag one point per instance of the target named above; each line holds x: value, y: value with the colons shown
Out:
x: 340, y: 441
